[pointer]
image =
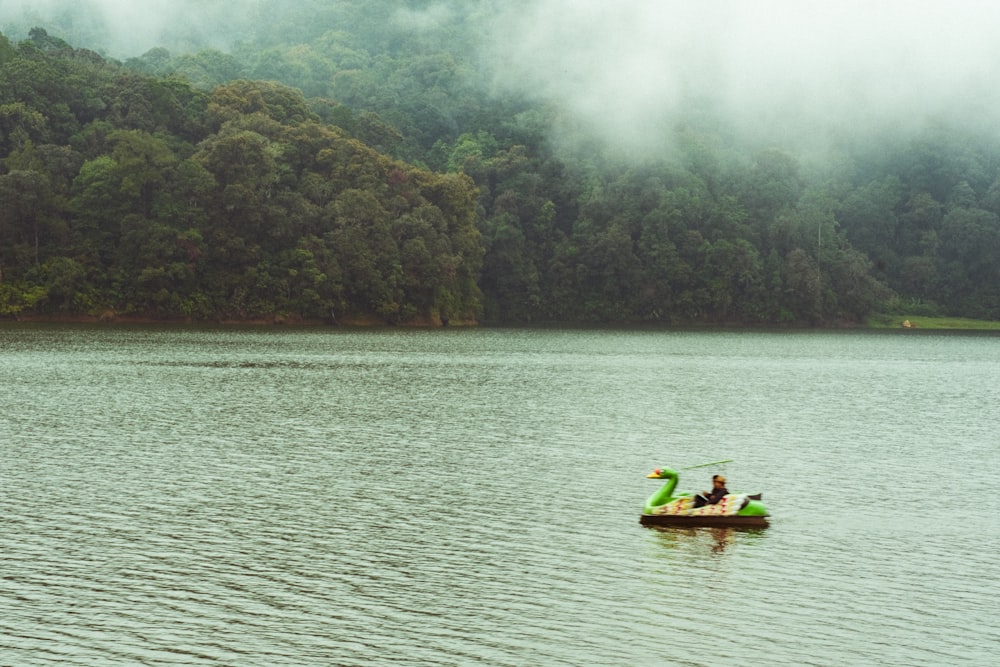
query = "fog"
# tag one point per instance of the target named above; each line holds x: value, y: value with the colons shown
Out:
x: 124, y: 28
x: 776, y: 68
x: 622, y: 71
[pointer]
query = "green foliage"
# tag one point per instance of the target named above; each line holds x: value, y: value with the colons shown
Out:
x: 349, y: 162
x: 144, y: 196
x: 7, y: 51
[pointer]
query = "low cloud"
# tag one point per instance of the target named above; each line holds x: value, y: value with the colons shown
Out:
x: 125, y: 28
x: 623, y: 70
x: 776, y: 71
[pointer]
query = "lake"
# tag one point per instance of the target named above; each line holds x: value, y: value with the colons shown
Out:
x: 324, y: 496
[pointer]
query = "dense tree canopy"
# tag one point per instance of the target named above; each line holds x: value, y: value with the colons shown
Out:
x: 354, y: 168
x: 135, y: 195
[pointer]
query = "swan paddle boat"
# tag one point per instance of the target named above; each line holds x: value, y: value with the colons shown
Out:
x: 664, y: 508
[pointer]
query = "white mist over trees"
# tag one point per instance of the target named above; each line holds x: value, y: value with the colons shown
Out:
x: 123, y: 28
x: 623, y: 71
x: 771, y: 67
x: 764, y: 162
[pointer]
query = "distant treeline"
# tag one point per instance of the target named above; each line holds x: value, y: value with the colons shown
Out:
x: 381, y: 179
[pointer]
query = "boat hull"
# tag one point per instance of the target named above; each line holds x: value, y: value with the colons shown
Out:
x: 704, y: 521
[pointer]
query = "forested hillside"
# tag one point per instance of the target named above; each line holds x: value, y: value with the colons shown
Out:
x: 354, y: 161
x: 127, y: 194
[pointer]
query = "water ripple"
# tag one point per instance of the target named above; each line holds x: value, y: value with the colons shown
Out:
x: 220, y: 497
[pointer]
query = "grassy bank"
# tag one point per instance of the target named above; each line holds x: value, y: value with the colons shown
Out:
x: 923, y: 322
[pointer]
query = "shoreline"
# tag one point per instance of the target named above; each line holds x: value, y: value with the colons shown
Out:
x: 875, y: 323
x: 275, y: 321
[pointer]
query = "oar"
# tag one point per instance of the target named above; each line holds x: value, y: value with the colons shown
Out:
x: 705, y: 465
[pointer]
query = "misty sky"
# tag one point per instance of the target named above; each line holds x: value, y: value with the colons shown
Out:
x: 621, y: 68
x: 788, y: 65
x: 127, y: 28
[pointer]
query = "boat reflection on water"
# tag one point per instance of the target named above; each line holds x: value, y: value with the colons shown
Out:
x: 698, y: 541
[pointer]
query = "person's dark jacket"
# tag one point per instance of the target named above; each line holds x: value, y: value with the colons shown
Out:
x: 716, y: 495
x: 711, y: 498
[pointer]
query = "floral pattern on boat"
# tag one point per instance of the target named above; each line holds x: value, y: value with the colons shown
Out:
x: 684, y: 506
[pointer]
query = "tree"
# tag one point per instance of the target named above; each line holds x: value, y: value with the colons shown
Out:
x: 245, y: 166
x: 733, y: 275
x: 244, y: 98
x: 803, y: 286
x: 20, y: 125
x: 142, y: 165
x: 774, y: 183
x: 510, y: 280
x: 26, y: 201
x: 7, y: 51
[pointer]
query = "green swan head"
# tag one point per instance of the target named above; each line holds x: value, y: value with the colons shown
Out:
x: 665, y: 494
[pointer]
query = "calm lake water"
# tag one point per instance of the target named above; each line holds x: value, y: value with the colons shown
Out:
x: 179, y: 496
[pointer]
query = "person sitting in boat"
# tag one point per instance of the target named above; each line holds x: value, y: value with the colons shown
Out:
x: 715, y: 495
